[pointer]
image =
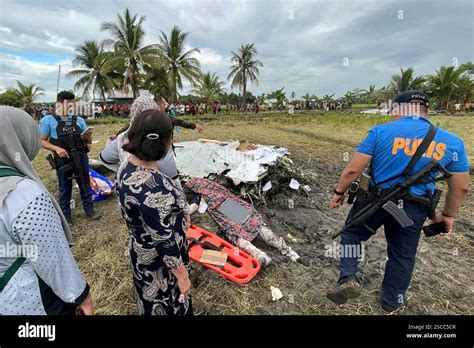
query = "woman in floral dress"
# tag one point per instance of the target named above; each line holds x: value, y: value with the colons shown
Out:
x: 152, y: 207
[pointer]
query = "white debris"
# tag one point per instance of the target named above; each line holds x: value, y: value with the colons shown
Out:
x: 291, y: 238
x: 202, y: 158
x: 294, y: 184
x: 202, y: 206
x: 247, y: 171
x: 276, y: 293
x: 307, y: 188
x: 267, y: 186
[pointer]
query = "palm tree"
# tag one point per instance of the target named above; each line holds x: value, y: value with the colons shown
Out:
x: 129, y: 56
x: 306, y: 97
x: 178, y: 62
x: 328, y: 98
x: 280, y: 97
x: 208, y: 86
x: 443, y: 85
x: 465, y: 89
x: 349, y: 97
x: 406, y: 81
x: 369, y: 93
x: 28, y: 93
x: 92, y: 74
x: 156, y: 80
x: 244, y: 67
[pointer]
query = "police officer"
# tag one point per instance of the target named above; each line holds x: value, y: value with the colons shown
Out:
x: 388, y: 148
x: 54, y: 130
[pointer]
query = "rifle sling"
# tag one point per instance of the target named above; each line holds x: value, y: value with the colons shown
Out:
x: 421, y: 149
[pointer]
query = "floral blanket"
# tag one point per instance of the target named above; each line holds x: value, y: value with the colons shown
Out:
x: 214, y: 195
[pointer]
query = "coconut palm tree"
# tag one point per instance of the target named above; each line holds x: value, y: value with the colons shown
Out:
x: 405, y: 81
x: 28, y: 93
x: 129, y: 56
x: 368, y: 94
x: 328, y: 98
x: 280, y: 97
x: 465, y: 89
x: 444, y: 84
x: 178, y: 62
x: 244, y: 67
x: 208, y: 86
x: 349, y: 97
x: 92, y: 75
x: 156, y: 80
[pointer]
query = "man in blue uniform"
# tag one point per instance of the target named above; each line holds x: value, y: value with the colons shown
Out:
x: 61, y: 133
x: 389, y: 148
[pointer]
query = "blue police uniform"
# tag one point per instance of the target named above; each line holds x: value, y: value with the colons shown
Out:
x: 48, y: 127
x: 391, y: 146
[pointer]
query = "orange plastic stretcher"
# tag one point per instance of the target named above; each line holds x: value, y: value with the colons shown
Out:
x: 240, y: 267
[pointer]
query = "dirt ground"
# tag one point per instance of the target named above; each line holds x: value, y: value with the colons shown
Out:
x: 320, y: 147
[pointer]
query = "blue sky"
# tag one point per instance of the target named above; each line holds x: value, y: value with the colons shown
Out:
x: 320, y: 47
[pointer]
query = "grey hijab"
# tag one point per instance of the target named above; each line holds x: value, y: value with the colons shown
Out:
x: 140, y: 104
x: 19, y: 144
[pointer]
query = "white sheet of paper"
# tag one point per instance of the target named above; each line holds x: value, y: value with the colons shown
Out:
x: 307, y: 188
x: 202, y: 206
x: 267, y: 186
x: 294, y: 184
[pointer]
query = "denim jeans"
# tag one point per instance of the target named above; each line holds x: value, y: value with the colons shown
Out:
x: 65, y: 188
x: 401, y: 249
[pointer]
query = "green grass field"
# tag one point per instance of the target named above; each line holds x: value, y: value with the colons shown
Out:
x: 327, y: 139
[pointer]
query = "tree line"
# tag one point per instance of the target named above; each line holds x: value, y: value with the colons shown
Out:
x: 123, y: 63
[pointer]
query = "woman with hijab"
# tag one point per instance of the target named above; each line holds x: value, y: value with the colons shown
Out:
x: 38, y: 275
x: 112, y: 155
x: 153, y: 208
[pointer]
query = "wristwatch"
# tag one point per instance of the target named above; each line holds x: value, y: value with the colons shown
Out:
x: 338, y: 193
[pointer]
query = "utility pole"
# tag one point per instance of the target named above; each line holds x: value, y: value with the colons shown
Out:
x: 57, y: 85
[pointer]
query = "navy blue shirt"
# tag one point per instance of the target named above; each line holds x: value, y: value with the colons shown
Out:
x: 392, y: 145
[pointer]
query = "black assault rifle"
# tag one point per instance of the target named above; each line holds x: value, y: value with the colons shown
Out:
x: 387, y: 200
x: 74, y: 166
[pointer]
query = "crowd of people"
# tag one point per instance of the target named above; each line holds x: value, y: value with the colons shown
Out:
x: 93, y: 110
x: 155, y: 209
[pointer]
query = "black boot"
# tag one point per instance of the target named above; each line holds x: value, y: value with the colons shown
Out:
x: 346, y: 289
x: 93, y: 215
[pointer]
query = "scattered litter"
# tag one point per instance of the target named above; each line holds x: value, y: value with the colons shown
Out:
x: 291, y: 238
x: 307, y: 188
x: 267, y: 186
x: 291, y: 203
x: 294, y: 184
x: 202, y: 206
x: 95, y: 141
x: 291, y: 254
x: 276, y: 293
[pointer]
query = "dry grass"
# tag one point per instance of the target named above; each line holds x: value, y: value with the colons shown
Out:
x: 442, y: 281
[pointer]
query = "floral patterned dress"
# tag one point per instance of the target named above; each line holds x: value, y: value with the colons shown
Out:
x: 153, y: 210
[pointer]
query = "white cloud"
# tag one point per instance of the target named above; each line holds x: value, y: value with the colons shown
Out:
x: 45, y: 75
x: 301, y: 43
